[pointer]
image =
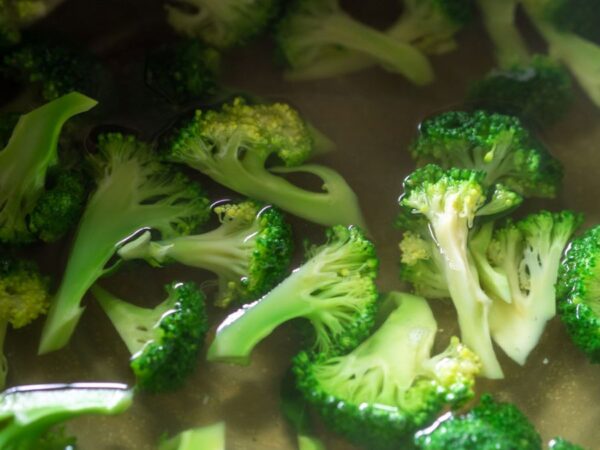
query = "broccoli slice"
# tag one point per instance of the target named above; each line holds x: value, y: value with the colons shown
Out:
x: 491, y: 425
x: 28, y: 413
x: 211, y: 437
x: 497, y: 144
x: 313, y: 34
x: 334, y: 289
x: 561, y: 444
x: 164, y: 341
x: 232, y: 146
x: 249, y: 252
x: 17, y: 14
x: 579, y: 293
x: 24, y: 164
x: 183, y: 71
x: 527, y: 255
x: 450, y: 200
x: 134, y: 192
x: 389, y: 386
x: 222, y: 23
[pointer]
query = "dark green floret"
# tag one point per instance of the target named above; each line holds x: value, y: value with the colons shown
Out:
x: 561, y: 444
x: 334, y: 290
x: 165, y: 340
x: 579, y: 293
x: 183, y: 71
x: 234, y: 144
x: 249, y: 252
x: 134, y: 192
x: 575, y: 16
x: 491, y: 425
x: 380, y: 393
x: 497, y: 144
x: 222, y: 23
x: 29, y: 414
x: 211, y: 437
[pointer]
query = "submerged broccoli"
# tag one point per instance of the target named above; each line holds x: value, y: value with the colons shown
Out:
x: 389, y: 386
x: 36, y: 202
x: 222, y: 23
x: 164, y: 341
x: 317, y: 38
x: 232, y: 146
x: 578, y: 293
x: 29, y: 413
x: 23, y: 298
x: 210, y: 437
x: 183, y: 71
x: 334, y: 289
x: 134, y: 192
x: 491, y: 425
x: 17, y: 14
x: 497, y: 144
x: 249, y: 252
x: 561, y: 444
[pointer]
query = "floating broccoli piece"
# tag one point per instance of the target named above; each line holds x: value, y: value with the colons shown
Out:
x: 497, y: 144
x: 491, y: 425
x: 17, y: 14
x: 24, y: 165
x: 29, y: 413
x: 232, y: 146
x: 561, y: 444
x: 249, y: 252
x: 210, y: 437
x: 134, y: 192
x: 222, y: 23
x: 183, y: 71
x: 319, y: 37
x: 578, y: 293
x: 389, y: 386
x: 574, y: 16
x: 334, y: 289
x: 164, y: 341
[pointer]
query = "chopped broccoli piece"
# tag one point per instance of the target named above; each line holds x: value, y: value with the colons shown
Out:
x: 315, y: 35
x: 164, y: 341
x: 334, y: 289
x: 232, y: 146
x: 389, y: 386
x: 249, y: 252
x: 210, y: 437
x: 183, y: 71
x: 561, y: 444
x: 16, y: 14
x: 29, y: 155
x: 579, y: 291
x: 491, y: 425
x: 222, y: 23
x: 134, y: 192
x: 28, y: 413
x: 575, y: 16
x: 494, y: 143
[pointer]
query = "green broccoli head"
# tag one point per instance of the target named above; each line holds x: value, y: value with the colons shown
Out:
x: 494, y: 143
x: 183, y: 71
x: 575, y: 16
x: 561, y: 444
x: 389, y: 386
x: 579, y: 290
x: 334, y: 290
x: 249, y: 252
x: 540, y: 91
x: 164, y: 341
x: 211, y: 437
x: 222, y: 23
x: 16, y: 14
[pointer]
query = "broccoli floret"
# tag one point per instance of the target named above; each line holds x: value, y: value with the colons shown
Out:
x: 29, y: 413
x: 579, y: 290
x: 561, y: 444
x: 575, y: 16
x: 222, y: 23
x: 494, y: 143
x: 210, y: 437
x: 183, y: 71
x: 389, y: 386
x: 525, y: 257
x: 450, y: 200
x: 334, y: 289
x: 491, y: 425
x: 249, y: 252
x: 16, y: 14
x: 164, y: 341
x: 134, y: 192
x: 539, y: 91
x: 34, y: 204
x: 319, y: 37
x: 232, y: 146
